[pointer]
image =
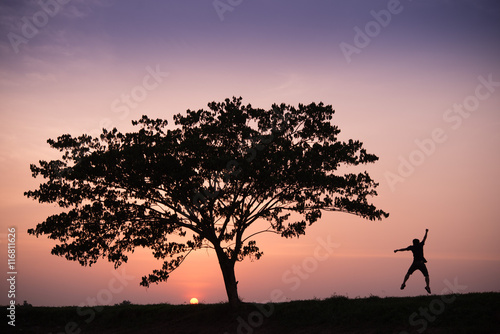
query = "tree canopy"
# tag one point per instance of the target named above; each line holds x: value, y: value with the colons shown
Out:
x: 200, y: 184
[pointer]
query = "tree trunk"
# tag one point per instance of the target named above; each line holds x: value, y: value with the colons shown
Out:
x: 227, y: 267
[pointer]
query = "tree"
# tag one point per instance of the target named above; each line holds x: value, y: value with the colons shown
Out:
x: 201, y: 184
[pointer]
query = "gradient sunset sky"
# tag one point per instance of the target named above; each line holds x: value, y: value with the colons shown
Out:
x: 418, y: 82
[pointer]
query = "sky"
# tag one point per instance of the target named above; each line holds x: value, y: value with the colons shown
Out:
x: 418, y: 82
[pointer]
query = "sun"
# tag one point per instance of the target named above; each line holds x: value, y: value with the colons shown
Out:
x: 193, y: 301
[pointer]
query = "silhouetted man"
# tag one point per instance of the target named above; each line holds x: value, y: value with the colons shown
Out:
x: 418, y: 261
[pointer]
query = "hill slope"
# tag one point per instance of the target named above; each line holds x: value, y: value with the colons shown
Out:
x: 462, y: 313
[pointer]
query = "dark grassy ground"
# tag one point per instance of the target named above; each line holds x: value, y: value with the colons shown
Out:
x: 461, y: 313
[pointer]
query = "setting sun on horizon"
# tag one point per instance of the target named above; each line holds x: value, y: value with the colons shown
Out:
x: 417, y: 82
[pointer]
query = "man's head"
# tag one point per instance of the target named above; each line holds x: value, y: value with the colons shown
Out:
x: 416, y: 242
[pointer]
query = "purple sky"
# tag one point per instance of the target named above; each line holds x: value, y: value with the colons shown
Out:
x: 415, y: 90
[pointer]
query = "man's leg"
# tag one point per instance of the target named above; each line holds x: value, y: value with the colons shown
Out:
x: 412, y: 268
x: 427, y: 287
x: 404, y: 281
x: 424, y: 271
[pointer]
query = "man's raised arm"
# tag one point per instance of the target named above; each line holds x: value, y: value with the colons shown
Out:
x: 425, y: 236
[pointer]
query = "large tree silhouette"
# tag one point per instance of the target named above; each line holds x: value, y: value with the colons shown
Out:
x: 201, y: 184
